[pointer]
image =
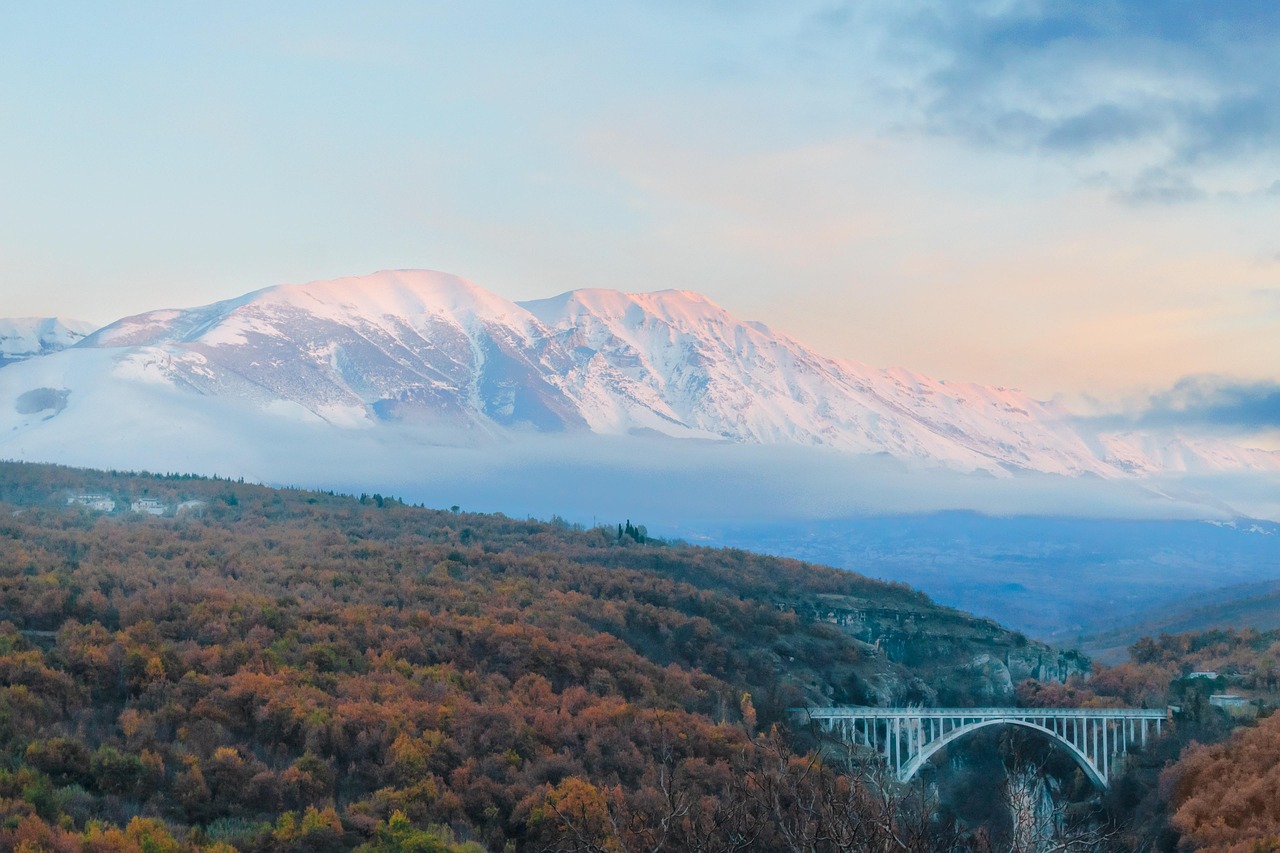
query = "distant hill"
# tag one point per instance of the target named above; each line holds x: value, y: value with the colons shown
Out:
x: 1255, y: 606
x: 1063, y: 580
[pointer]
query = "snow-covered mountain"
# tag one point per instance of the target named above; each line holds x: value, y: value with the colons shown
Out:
x: 676, y: 362
x: 433, y: 352
x: 24, y: 337
x: 354, y: 352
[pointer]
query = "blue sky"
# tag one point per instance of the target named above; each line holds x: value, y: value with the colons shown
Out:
x: 1069, y: 197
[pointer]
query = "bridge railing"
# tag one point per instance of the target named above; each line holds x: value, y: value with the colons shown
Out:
x: 907, y: 737
x: 983, y: 713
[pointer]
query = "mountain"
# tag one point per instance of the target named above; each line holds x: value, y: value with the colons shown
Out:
x: 356, y: 351
x: 26, y: 337
x: 665, y: 409
x: 447, y: 362
x: 679, y: 357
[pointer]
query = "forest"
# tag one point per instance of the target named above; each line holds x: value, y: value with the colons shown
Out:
x: 262, y: 669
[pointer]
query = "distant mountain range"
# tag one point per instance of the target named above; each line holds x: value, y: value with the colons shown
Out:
x: 434, y: 353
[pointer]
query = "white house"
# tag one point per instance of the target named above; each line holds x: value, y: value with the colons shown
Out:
x: 101, y: 503
x: 152, y: 506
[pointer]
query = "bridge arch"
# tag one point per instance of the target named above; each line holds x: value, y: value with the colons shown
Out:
x: 918, y: 760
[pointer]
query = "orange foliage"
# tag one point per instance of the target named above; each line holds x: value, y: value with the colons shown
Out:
x: 1227, y: 796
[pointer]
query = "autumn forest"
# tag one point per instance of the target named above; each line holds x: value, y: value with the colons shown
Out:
x: 255, y: 669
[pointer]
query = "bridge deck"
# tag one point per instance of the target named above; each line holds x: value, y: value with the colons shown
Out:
x: 836, y: 712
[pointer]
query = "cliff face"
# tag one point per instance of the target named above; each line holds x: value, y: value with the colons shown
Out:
x: 916, y: 653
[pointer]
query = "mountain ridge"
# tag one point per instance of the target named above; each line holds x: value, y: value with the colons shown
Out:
x: 434, y: 350
x: 27, y: 337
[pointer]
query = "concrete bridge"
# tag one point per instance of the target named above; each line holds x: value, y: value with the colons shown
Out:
x: 908, y: 737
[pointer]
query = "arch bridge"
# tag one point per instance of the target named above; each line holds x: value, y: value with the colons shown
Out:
x: 908, y: 737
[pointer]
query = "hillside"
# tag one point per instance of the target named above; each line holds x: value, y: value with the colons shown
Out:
x: 1255, y: 606
x: 1225, y: 796
x: 263, y: 664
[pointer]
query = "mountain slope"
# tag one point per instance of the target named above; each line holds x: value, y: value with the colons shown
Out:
x: 446, y: 361
x: 1255, y: 606
x: 352, y: 351
x: 26, y: 337
x: 702, y: 368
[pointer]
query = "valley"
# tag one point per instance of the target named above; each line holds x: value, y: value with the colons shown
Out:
x: 1069, y: 581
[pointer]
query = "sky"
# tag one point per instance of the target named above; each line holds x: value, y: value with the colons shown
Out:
x: 1079, y: 199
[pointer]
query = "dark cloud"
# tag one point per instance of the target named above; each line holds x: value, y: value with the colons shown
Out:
x: 1197, y: 81
x: 1206, y: 402
x: 1105, y: 124
x: 1231, y: 126
x: 1160, y: 186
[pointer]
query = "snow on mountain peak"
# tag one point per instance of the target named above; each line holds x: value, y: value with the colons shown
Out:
x: 432, y: 349
x: 397, y: 297
x: 396, y: 293
x: 26, y: 337
x: 680, y: 308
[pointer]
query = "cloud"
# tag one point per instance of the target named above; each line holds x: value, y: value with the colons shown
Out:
x: 1160, y: 186
x: 1104, y: 124
x: 1158, y: 96
x: 679, y: 487
x: 1207, y: 402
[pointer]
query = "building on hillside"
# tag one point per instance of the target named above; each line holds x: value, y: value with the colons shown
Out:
x: 100, y: 503
x: 151, y: 506
x: 1209, y: 673
x: 1236, y: 706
